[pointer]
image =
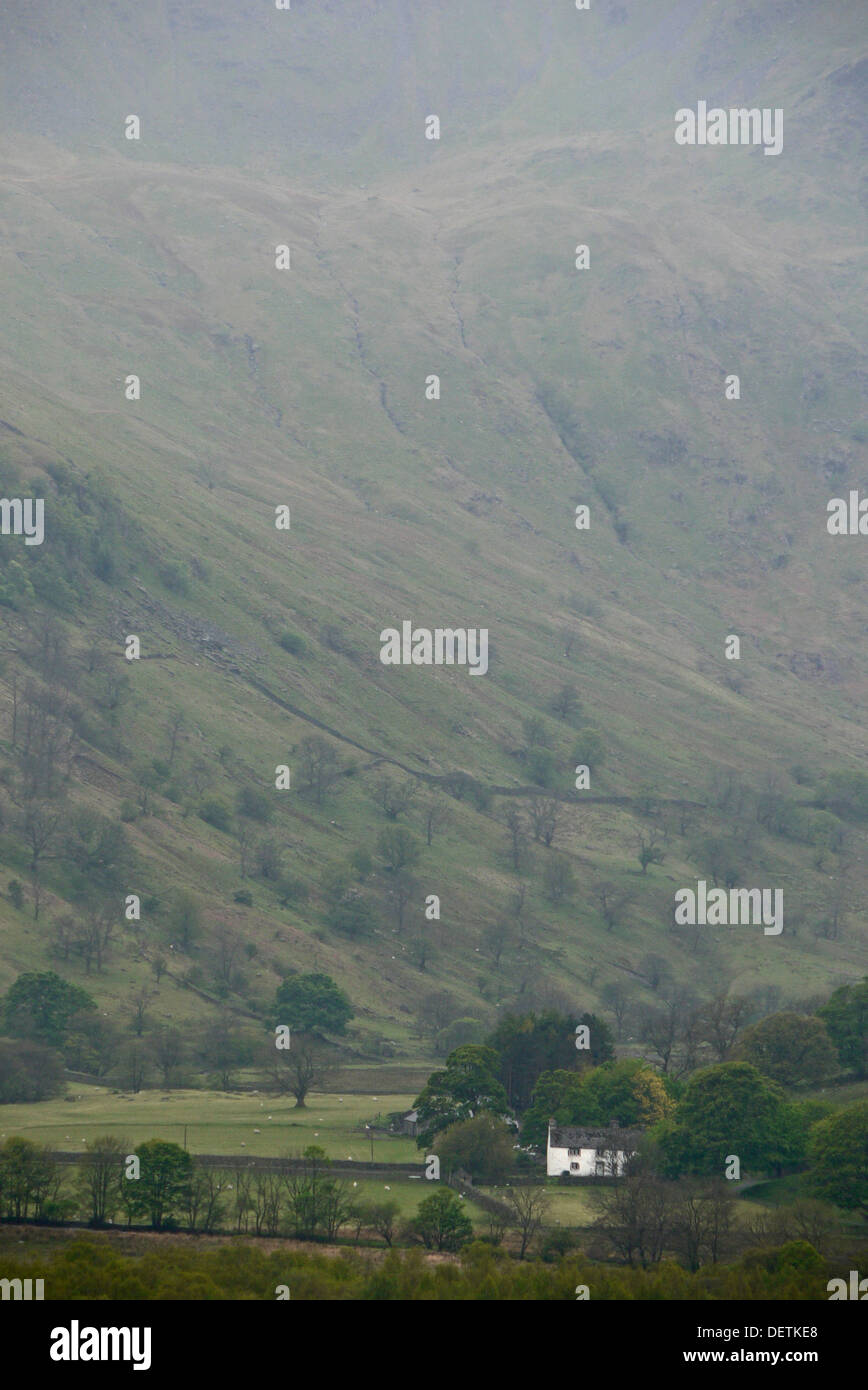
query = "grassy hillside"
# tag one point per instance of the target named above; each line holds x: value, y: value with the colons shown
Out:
x: 306, y: 387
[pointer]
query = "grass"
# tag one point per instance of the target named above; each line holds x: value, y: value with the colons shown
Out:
x: 216, y: 1122
x: 568, y: 1206
x: 408, y: 1193
x: 778, y: 1192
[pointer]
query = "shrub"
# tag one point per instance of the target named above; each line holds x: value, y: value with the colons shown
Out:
x: 215, y: 812
x: 292, y: 890
x: 255, y: 803
x: 292, y: 643
x: 589, y: 748
x: 175, y: 578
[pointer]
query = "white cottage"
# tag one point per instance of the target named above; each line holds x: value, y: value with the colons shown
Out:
x: 589, y: 1153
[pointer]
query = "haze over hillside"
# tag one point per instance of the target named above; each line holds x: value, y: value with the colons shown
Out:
x: 558, y: 387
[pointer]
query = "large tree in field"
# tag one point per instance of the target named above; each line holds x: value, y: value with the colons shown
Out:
x: 29, y: 1071
x: 467, y: 1086
x: 40, y: 1006
x: 297, y: 1069
x: 441, y: 1222
x: 846, y: 1018
x: 789, y: 1048
x: 838, y: 1158
x: 309, y: 1002
x: 726, y: 1109
x: 482, y: 1146
x: 161, y: 1190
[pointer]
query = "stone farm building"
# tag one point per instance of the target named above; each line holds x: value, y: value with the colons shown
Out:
x: 589, y: 1152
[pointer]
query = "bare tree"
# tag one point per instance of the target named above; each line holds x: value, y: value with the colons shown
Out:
x: 268, y: 855
x: 40, y: 823
x: 403, y: 888
x: 396, y: 797
x: 560, y: 881
x: 169, y: 1051
x: 566, y: 704
x: 437, y: 1010
x: 48, y: 743
x: 529, y: 1207
x: 101, y: 1175
x: 65, y: 930
x: 669, y: 1027
x: 518, y: 838
x: 545, y: 813
x: 437, y: 817
x: 497, y: 938
x: 421, y: 949
x: 297, y: 1069
x: 613, y: 900
x: 655, y: 969
x: 638, y: 1216
x: 650, y: 850
x: 702, y: 1221
x: 90, y: 935
x: 722, y: 1020
x: 618, y: 998
x: 246, y: 836
x: 140, y: 1000
x: 320, y: 766
x: 226, y: 956
x: 174, y: 726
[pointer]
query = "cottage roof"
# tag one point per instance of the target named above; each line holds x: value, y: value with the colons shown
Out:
x: 599, y: 1137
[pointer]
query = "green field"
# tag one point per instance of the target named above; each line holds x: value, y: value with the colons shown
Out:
x: 215, y: 1122
x: 408, y: 1193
